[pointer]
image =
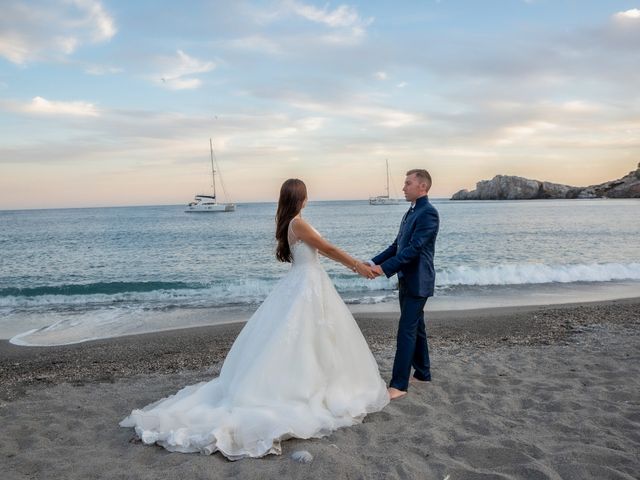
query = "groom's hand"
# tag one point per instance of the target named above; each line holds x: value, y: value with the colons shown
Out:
x: 377, y: 270
x: 365, y: 270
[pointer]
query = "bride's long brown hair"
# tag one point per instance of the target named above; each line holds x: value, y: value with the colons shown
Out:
x: 293, y: 193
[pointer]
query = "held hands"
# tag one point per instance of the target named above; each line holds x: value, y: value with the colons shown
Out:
x: 377, y: 269
x: 368, y: 271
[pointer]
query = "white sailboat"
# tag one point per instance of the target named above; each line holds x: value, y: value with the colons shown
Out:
x: 204, y: 203
x: 385, y: 199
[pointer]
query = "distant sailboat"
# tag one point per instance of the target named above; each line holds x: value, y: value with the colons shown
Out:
x: 208, y: 203
x: 384, y: 199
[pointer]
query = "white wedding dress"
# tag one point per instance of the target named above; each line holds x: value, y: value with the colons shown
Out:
x: 300, y: 367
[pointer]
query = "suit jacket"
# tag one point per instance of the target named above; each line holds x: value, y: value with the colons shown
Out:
x: 411, y: 253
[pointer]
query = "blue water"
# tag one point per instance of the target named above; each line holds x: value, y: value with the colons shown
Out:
x: 158, y: 258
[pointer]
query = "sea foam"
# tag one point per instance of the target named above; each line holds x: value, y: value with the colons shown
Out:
x: 519, y: 274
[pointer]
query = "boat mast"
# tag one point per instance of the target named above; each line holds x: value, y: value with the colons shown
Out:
x: 213, y: 172
x: 386, y: 160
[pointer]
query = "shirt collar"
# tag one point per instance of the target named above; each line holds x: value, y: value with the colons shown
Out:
x: 419, y: 201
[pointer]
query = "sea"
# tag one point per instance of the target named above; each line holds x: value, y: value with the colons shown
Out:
x: 72, y: 275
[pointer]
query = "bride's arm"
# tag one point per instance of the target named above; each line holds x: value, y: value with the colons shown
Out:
x: 304, y: 232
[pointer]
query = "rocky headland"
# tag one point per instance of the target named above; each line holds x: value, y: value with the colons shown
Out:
x: 505, y: 187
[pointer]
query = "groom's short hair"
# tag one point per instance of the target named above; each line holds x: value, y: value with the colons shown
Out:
x: 422, y: 174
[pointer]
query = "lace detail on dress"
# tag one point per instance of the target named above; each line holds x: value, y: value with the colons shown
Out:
x: 291, y: 237
x: 301, y: 252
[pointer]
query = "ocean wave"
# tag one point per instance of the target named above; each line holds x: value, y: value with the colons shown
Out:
x: 519, y: 274
x: 106, y: 288
x: 162, y: 295
x: 208, y: 296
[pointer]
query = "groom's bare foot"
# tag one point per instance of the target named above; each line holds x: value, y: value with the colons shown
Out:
x: 395, y: 394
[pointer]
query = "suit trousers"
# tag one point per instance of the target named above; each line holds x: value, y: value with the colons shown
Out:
x: 411, y: 348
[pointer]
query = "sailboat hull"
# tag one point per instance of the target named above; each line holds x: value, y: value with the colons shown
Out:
x: 384, y: 201
x: 217, y: 208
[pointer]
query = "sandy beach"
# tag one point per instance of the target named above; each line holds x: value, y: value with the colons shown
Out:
x: 549, y: 392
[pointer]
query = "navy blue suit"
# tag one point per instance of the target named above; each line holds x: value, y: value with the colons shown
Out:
x: 411, y: 257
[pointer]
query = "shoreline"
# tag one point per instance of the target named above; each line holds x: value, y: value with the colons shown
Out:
x: 204, y: 347
x: 60, y: 329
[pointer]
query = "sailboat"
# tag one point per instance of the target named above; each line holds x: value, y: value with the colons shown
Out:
x: 203, y: 203
x: 384, y: 199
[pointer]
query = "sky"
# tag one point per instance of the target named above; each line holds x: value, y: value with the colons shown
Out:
x: 113, y: 102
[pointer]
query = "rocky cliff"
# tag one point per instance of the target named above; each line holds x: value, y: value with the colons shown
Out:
x: 504, y: 187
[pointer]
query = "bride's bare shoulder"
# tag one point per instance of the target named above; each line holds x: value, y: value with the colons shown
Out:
x: 301, y: 226
x: 297, y: 222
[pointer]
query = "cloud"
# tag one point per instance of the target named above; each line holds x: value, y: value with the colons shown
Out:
x: 633, y: 14
x: 347, y: 25
x: 42, y: 106
x: 52, y: 30
x: 311, y: 124
x: 532, y: 65
x: 361, y: 112
x: 380, y: 75
x: 516, y: 133
x: 580, y: 106
x: 101, y: 70
x: 179, y: 72
x: 343, y: 16
x: 102, y: 25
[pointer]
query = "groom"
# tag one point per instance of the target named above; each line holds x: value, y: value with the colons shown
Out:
x: 411, y: 257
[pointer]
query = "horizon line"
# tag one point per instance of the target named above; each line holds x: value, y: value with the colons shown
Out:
x: 180, y: 204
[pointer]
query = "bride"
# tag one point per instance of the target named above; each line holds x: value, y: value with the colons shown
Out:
x: 300, y: 367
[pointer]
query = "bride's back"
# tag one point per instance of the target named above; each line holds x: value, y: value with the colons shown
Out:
x: 301, y: 252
